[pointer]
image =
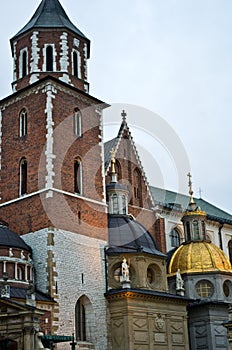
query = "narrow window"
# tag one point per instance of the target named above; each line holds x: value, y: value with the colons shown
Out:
x: 23, y: 177
x: 75, y: 64
x: 124, y: 206
x: 24, y: 64
x: 77, y: 122
x: 23, y: 123
x: 137, y: 187
x: 77, y: 176
x: 115, y: 204
x: 188, y: 231
x: 81, y: 321
x: 203, y: 229
x: 196, y: 230
x: 49, y: 59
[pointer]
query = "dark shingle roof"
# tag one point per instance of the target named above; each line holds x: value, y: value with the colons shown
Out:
x: 127, y: 235
x: 21, y: 293
x: 50, y: 14
x: 172, y: 199
x: 10, y: 239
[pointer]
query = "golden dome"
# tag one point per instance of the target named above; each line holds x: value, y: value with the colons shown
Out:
x: 199, y: 257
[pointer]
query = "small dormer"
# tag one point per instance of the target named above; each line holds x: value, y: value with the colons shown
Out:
x: 50, y: 44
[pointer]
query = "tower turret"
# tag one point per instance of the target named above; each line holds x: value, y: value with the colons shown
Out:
x: 194, y: 219
x: 50, y: 44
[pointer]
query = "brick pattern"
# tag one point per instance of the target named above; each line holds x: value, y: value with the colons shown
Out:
x: 54, y: 37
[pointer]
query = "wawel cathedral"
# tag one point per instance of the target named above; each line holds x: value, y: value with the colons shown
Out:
x: 91, y: 256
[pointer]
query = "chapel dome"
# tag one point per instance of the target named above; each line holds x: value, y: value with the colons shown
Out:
x: 198, y: 257
x: 11, y: 239
x: 127, y: 235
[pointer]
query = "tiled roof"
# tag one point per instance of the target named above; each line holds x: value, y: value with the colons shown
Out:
x: 50, y: 14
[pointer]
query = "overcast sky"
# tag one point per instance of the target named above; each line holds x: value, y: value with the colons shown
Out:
x: 171, y: 57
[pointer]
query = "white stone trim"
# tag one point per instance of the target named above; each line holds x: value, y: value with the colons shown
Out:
x: 34, y: 65
x: 85, y: 61
x: 52, y: 190
x: 0, y: 139
x: 76, y: 42
x: 64, y: 59
x: 49, y: 179
x: 101, y: 144
x: 14, y: 61
x: 25, y: 49
x: 54, y: 57
x: 79, y: 76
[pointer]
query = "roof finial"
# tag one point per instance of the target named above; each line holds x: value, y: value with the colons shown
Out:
x: 123, y: 114
x: 190, y: 189
x: 112, y: 152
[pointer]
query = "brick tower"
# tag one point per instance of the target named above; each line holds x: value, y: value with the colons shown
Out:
x: 51, y: 155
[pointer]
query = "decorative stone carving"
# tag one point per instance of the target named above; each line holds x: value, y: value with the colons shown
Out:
x: 159, y: 322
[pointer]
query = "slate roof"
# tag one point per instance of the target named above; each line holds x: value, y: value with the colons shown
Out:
x: 50, y: 14
x: 21, y: 293
x: 127, y: 235
x: 11, y: 239
x: 174, y: 200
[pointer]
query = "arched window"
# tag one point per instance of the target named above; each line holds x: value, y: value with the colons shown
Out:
x: 230, y: 250
x: 77, y: 176
x: 20, y: 273
x: 24, y: 64
x: 75, y: 64
x: 77, y: 122
x: 115, y: 204
x: 23, y: 123
x: 203, y: 229
x: 49, y: 58
x: 175, y: 238
x: 84, y: 319
x: 137, y: 186
x: 23, y: 177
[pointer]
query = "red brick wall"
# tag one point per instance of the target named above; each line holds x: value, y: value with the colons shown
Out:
x: 49, y: 37
x: 28, y: 214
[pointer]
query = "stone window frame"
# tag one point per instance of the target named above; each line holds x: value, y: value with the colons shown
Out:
x: 45, y: 58
x: 76, y: 64
x: 23, y: 62
x: 23, y: 122
x: 77, y: 122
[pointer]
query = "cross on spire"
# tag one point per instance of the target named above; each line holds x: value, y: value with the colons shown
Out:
x: 123, y: 114
x: 190, y: 187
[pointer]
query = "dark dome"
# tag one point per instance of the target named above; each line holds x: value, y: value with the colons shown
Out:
x: 127, y: 235
x: 11, y: 239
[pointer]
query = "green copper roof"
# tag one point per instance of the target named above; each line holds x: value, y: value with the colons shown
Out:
x: 50, y: 14
x: 173, y: 200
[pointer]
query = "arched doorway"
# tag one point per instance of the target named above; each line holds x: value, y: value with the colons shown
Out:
x: 8, y: 344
